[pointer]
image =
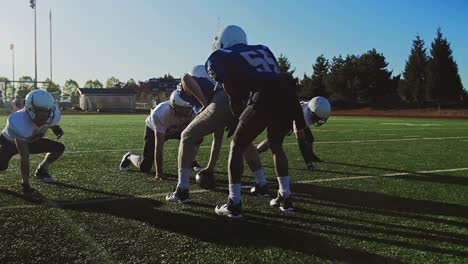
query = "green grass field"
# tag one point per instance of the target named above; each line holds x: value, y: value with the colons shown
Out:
x: 390, y: 191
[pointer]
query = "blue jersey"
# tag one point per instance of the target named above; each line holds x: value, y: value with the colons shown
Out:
x: 243, y: 65
x: 207, y: 88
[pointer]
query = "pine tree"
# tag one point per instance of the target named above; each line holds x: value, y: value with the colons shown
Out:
x: 443, y: 80
x: 317, y: 84
x: 413, y: 87
x: 284, y: 67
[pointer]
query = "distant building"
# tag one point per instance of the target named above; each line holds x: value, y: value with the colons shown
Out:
x: 107, y: 99
x: 157, y: 85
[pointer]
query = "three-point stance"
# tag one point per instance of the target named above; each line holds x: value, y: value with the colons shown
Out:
x: 24, y: 134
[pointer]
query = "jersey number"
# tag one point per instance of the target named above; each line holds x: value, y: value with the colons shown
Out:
x: 260, y: 60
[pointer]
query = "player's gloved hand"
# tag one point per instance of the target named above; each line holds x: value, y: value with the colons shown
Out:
x: 58, y: 131
x: 310, y: 166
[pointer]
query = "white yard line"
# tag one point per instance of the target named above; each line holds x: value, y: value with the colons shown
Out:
x: 293, y: 143
x: 156, y: 195
x: 383, y: 175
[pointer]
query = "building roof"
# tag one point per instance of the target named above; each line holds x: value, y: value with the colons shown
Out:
x: 107, y: 91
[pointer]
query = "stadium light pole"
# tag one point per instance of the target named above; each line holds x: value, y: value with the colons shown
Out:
x: 50, y: 22
x: 12, y: 48
x: 33, y: 6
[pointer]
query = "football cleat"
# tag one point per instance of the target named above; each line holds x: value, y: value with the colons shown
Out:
x: 230, y: 210
x: 125, y: 163
x: 179, y: 196
x: 260, y: 190
x: 284, y: 204
x: 44, y: 175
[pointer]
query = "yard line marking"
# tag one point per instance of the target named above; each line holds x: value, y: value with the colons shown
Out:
x: 387, y: 134
x: 383, y: 175
x: 410, y: 136
x: 293, y: 143
x: 410, y: 124
x: 58, y: 204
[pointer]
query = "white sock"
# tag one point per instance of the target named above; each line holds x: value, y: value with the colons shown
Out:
x: 136, y: 160
x: 184, y: 178
x: 234, y: 192
x: 284, y: 186
x: 260, y: 177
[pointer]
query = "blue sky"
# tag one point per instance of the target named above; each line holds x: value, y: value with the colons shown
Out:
x: 140, y: 39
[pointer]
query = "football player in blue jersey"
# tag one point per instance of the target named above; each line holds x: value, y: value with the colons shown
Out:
x: 249, y: 75
x: 213, y: 115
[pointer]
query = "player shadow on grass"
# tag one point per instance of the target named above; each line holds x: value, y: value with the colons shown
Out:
x: 384, y: 204
x: 412, y: 175
x: 253, y: 231
x: 35, y: 200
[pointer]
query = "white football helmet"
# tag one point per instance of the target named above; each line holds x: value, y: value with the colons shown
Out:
x: 181, y: 107
x: 39, y: 100
x: 199, y: 71
x: 321, y: 110
x: 229, y: 36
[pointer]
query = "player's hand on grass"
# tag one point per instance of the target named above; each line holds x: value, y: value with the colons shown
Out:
x: 310, y: 166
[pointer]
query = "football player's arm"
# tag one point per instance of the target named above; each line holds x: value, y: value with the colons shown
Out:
x: 191, y: 86
x: 23, y: 150
x: 158, y: 153
x: 305, y: 144
x: 215, y: 149
x: 58, y: 131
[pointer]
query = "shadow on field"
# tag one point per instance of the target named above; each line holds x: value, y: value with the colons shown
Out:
x: 388, y: 205
x: 252, y: 231
x: 412, y: 175
x: 76, y: 187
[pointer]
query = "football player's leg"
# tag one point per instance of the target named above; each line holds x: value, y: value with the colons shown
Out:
x: 53, y: 149
x: 251, y: 124
x: 277, y: 131
x: 252, y: 158
x: 145, y: 163
x: 210, y: 120
x: 7, y: 151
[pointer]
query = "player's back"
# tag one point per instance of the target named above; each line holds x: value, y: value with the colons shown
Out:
x: 251, y: 65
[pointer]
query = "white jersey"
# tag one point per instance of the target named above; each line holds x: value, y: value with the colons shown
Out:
x: 163, y: 120
x: 307, y: 115
x: 20, y: 126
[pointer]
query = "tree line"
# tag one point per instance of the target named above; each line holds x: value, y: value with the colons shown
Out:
x: 364, y: 80
x: 351, y: 81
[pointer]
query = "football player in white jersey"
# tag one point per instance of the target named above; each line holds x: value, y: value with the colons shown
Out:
x: 24, y: 134
x: 316, y: 112
x: 166, y: 121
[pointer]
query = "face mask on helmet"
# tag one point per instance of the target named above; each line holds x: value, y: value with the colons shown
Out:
x: 317, y: 121
x: 229, y: 36
x: 181, y: 107
x: 40, y: 107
